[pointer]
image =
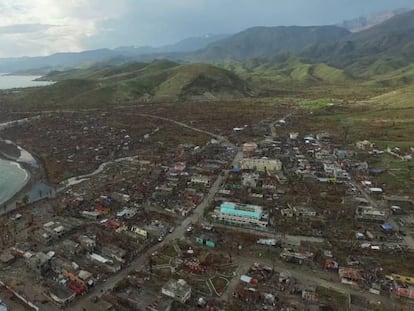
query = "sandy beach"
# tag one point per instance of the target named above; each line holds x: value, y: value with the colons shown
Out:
x: 11, y: 152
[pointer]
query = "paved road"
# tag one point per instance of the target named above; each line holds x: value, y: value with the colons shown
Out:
x: 218, y: 137
x: 287, y: 238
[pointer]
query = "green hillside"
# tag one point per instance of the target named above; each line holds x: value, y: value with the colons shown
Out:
x: 104, y: 71
x: 291, y: 69
x: 399, y: 77
x: 161, y: 79
x: 56, y: 94
x: 396, y: 99
x: 196, y: 79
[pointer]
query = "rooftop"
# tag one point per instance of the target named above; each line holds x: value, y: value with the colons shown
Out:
x: 242, y: 210
x: 178, y: 287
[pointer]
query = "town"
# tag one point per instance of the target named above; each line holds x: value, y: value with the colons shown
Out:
x: 149, y: 211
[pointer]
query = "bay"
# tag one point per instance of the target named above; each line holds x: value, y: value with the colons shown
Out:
x: 18, y: 81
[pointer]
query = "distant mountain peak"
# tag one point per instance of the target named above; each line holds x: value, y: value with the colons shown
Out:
x: 263, y: 41
x: 365, y: 22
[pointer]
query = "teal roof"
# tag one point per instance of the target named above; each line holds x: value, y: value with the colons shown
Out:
x: 243, y: 211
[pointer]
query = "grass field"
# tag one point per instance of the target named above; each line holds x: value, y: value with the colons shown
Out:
x: 337, y: 299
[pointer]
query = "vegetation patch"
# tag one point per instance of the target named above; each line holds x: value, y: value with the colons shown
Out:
x: 339, y: 300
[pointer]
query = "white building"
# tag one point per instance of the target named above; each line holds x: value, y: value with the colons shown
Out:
x: 200, y: 179
x: 177, y: 290
x: 250, y: 179
x: 249, y: 147
x: 370, y: 214
x: 243, y: 214
x: 261, y: 165
x: 364, y: 145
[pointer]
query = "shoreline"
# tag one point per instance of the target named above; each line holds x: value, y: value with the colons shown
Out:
x: 34, y: 187
x: 34, y: 176
x: 26, y: 181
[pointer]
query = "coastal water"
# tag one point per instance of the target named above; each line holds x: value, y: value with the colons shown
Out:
x: 11, y: 81
x: 12, y: 179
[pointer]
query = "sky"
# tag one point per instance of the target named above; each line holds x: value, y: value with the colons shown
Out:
x: 43, y: 27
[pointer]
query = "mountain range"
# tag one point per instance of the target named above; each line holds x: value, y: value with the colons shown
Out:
x: 382, y: 48
x: 365, y: 22
x: 44, y: 64
x: 256, y: 61
x: 387, y: 44
x: 268, y: 41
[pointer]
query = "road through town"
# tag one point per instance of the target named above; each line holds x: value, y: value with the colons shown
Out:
x: 407, y: 239
x: 85, y: 302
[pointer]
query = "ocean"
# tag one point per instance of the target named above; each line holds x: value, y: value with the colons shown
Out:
x: 11, y: 82
x: 12, y: 179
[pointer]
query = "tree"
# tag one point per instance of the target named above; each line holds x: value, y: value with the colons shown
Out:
x: 410, y: 170
x: 347, y: 126
x: 26, y: 199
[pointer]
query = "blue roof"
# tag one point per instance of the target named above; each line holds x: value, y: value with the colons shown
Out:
x: 387, y: 227
x: 232, y: 209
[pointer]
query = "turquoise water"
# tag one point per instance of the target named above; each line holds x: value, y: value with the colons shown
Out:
x: 12, y: 179
x: 11, y: 82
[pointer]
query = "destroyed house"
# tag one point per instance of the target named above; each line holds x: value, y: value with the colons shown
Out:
x: 39, y: 263
x: 177, y: 290
x: 370, y: 214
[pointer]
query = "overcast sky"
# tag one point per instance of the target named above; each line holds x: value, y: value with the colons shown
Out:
x: 41, y: 27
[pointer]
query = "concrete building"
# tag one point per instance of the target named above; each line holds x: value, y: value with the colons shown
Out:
x: 294, y: 256
x: 303, y: 211
x: 243, y: 214
x: 370, y: 214
x: 6, y: 257
x: 87, y: 243
x: 200, y: 179
x: 250, y: 179
x: 249, y: 149
x: 61, y: 295
x: 39, y: 263
x: 261, y: 165
x: 177, y: 290
x: 106, y: 263
x: 364, y: 145
x: 349, y: 276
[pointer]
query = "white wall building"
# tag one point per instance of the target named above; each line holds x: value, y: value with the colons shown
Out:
x: 200, y: 179
x: 243, y: 214
x: 261, y: 165
x: 177, y: 290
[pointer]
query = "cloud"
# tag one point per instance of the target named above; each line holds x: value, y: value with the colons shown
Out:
x: 158, y: 22
x: 40, y: 27
x: 24, y: 28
